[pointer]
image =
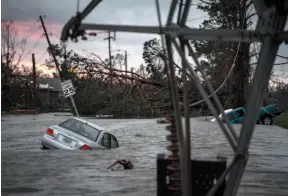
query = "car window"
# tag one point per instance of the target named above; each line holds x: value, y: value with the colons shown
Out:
x: 81, y: 128
x: 240, y: 113
x: 106, y: 140
x: 114, y: 143
x: 68, y: 123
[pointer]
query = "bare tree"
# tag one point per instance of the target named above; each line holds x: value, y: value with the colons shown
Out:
x: 12, y: 48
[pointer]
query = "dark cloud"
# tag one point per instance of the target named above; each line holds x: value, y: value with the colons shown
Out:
x: 61, y: 11
x: 137, y: 12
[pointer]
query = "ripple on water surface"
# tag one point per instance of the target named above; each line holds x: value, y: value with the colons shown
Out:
x: 30, y: 171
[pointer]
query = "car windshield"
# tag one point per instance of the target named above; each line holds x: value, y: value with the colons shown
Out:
x: 81, y: 128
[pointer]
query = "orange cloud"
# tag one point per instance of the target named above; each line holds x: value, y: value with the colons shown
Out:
x: 33, y: 30
x: 39, y: 67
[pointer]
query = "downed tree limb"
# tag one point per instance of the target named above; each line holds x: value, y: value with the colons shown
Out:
x: 143, y: 81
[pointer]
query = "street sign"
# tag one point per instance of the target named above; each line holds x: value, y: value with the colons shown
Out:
x: 68, y: 88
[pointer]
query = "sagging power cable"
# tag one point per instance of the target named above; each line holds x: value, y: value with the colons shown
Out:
x: 229, y: 73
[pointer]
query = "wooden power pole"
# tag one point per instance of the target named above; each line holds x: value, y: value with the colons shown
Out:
x: 50, y: 45
x: 110, y: 56
x: 126, y: 65
x: 34, y: 82
x: 55, y: 60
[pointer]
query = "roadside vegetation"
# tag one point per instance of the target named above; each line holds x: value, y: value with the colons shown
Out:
x: 282, y: 120
x: 107, y: 87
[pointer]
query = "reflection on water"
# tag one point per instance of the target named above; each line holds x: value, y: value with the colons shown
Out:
x: 27, y: 169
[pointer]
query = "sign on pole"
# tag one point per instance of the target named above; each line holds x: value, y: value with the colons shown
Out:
x: 68, y: 88
x: 69, y: 91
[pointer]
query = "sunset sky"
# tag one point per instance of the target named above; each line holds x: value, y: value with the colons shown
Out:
x: 25, y: 13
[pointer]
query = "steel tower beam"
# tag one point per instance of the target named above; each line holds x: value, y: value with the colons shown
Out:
x: 269, y: 31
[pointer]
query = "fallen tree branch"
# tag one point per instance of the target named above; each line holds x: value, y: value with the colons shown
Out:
x: 143, y: 81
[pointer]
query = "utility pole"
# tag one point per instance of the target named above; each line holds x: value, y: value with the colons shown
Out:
x: 110, y: 57
x: 126, y: 65
x: 34, y: 82
x: 110, y: 60
x: 50, y: 45
x: 55, y: 60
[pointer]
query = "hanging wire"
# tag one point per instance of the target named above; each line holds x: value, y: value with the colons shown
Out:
x: 41, y: 57
x: 32, y: 32
x: 216, y: 99
x: 225, y: 7
x: 33, y: 48
x: 231, y: 70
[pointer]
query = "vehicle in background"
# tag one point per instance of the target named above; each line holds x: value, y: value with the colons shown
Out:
x: 76, y: 133
x: 220, y: 116
x: 162, y: 121
x: 265, y: 115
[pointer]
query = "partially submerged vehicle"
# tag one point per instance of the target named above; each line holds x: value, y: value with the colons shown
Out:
x: 162, y: 121
x: 76, y: 133
x: 265, y: 115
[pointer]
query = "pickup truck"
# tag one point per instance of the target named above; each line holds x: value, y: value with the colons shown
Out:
x: 265, y: 115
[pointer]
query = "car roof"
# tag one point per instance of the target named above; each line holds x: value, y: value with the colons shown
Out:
x: 91, y: 124
x: 228, y: 110
x: 240, y: 108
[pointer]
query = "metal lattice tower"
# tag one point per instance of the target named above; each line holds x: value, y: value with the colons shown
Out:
x: 269, y: 32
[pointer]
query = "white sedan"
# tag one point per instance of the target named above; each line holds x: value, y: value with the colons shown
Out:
x: 76, y: 133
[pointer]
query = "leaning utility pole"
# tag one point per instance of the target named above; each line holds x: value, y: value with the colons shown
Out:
x: 50, y: 45
x: 34, y: 81
x: 55, y: 60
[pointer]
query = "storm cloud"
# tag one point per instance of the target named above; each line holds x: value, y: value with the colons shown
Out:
x: 131, y: 12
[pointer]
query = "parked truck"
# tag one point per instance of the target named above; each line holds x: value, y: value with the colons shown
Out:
x: 265, y: 115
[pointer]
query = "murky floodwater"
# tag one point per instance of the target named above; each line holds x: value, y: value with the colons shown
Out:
x: 27, y: 170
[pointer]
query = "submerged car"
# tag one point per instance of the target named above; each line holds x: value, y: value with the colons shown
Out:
x: 220, y: 115
x: 265, y: 115
x: 76, y: 133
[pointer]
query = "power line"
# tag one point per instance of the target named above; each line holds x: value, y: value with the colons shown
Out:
x: 42, y: 57
x: 192, y: 19
x: 225, y: 7
x: 32, y: 32
x: 33, y: 47
x: 232, y: 67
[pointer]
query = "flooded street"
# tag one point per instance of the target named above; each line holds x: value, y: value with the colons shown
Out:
x: 28, y: 170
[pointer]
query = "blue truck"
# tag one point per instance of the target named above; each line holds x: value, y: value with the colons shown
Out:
x: 265, y: 115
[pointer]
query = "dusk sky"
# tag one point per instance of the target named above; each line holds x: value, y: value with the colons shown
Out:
x: 25, y: 13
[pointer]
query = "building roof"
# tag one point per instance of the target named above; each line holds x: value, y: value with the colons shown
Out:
x: 55, y: 83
